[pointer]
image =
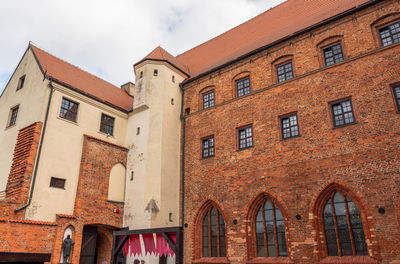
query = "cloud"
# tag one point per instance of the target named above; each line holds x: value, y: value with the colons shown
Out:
x: 107, y: 37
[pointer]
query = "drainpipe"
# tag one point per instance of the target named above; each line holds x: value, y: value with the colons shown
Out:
x: 40, y: 147
x: 183, y: 160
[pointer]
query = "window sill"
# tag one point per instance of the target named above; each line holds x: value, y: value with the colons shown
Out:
x: 345, y: 125
x: 270, y: 260
x: 117, y: 202
x: 289, y: 138
x: 349, y: 259
x: 105, y: 134
x: 242, y: 149
x: 69, y: 121
x: 206, y: 158
x: 215, y: 260
x: 9, y: 127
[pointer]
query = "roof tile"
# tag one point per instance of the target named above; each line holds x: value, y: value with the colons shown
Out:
x: 82, y: 80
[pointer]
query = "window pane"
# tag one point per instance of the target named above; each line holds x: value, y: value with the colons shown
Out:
x: 284, y: 72
x: 205, y: 236
x: 68, y: 110
x: 357, y: 228
x: 330, y: 233
x: 243, y: 86
x: 290, y: 126
x: 333, y: 54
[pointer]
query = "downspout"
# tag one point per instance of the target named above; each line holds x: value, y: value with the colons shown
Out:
x: 39, y: 148
x: 183, y: 161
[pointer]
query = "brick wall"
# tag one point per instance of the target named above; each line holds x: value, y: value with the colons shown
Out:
x: 20, y: 177
x: 361, y: 160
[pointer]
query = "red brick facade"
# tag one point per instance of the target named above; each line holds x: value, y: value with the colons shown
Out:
x: 360, y: 160
x: 91, y: 205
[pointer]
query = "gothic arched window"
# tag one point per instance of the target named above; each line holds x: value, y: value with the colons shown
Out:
x: 214, y: 242
x: 270, y: 231
x: 343, y: 227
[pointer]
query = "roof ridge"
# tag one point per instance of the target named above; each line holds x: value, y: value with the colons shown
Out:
x: 97, y: 77
x: 231, y: 29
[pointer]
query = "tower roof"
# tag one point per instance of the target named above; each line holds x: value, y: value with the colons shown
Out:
x: 160, y: 54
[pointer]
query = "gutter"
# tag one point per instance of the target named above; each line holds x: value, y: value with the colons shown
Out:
x: 293, y: 35
x: 40, y: 146
x: 183, y: 163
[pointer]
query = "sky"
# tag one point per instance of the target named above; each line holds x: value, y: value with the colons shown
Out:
x: 106, y: 37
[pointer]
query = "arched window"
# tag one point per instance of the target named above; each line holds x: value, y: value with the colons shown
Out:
x: 214, y: 244
x: 270, y: 231
x: 343, y: 227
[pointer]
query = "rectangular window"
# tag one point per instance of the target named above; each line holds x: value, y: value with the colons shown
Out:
x: 107, y: 124
x: 289, y: 126
x: 396, y: 93
x: 390, y: 34
x: 21, y: 82
x: 69, y: 110
x: 284, y: 71
x: 13, y: 116
x: 243, y: 86
x: 57, y: 183
x: 207, y: 146
x: 333, y: 54
x: 245, y: 137
x: 208, y: 99
x: 342, y: 113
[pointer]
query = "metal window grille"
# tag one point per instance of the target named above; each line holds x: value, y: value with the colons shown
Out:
x: 208, y: 100
x: 284, y: 71
x: 333, y: 54
x: 107, y: 124
x: 342, y: 113
x: 14, y: 115
x: 69, y: 110
x: 290, y: 126
x: 390, y: 34
x: 245, y: 136
x: 243, y: 86
x: 208, y: 147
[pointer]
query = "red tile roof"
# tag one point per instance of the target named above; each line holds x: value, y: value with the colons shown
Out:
x: 83, y: 81
x: 271, y: 26
x: 160, y: 54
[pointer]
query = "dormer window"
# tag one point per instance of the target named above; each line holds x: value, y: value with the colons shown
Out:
x: 21, y: 82
x: 155, y: 72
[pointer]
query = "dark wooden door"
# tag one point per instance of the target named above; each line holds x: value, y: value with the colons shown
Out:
x: 88, y: 250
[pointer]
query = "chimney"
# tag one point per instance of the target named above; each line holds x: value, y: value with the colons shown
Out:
x: 128, y: 87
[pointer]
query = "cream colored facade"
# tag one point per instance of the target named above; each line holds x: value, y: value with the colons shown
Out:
x: 31, y: 99
x: 63, y: 140
x: 62, y: 151
x: 153, y: 139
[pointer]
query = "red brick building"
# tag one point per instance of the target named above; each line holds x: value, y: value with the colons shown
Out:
x: 291, y: 137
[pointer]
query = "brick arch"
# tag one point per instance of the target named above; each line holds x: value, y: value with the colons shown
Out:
x: 198, y: 225
x: 317, y: 208
x: 253, y: 207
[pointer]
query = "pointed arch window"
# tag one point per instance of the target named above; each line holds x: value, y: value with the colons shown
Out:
x: 343, y: 227
x: 270, y: 231
x: 214, y: 241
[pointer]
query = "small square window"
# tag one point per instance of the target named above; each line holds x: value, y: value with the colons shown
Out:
x: 243, y: 86
x: 396, y: 93
x: 207, y: 147
x: 21, y: 82
x: 57, y: 183
x: 289, y: 126
x: 390, y: 34
x: 342, y: 113
x: 245, y: 137
x: 284, y: 71
x: 333, y: 54
x: 208, y: 100
x: 69, y: 110
x: 107, y: 124
x: 13, y: 116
